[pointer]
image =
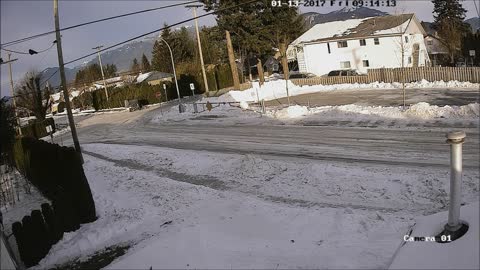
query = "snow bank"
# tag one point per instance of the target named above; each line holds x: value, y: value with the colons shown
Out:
x: 276, y: 89
x: 459, y: 254
x: 419, y: 111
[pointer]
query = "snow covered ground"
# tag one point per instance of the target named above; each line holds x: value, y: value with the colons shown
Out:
x: 199, y: 209
x: 459, y: 254
x: 417, y: 113
x: 276, y: 89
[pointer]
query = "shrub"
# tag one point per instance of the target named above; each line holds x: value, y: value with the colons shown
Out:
x: 43, y: 242
x: 55, y: 232
x: 62, y: 205
x: 56, y: 170
x: 38, y: 128
x: 22, y: 246
x: 31, y: 257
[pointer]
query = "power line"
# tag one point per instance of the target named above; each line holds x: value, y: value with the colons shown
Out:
x: 91, y: 22
x: 152, y: 32
x: 30, y: 51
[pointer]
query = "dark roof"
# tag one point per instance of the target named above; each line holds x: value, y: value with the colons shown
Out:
x: 157, y: 75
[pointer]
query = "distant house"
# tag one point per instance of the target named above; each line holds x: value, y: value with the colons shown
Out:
x: 118, y: 81
x: 154, y: 77
x: 271, y: 65
x: 360, y: 44
x: 436, y: 50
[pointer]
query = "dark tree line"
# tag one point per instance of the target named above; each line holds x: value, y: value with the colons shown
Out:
x: 258, y: 29
x: 93, y: 73
x: 181, y: 44
x: 141, y: 67
x: 448, y: 22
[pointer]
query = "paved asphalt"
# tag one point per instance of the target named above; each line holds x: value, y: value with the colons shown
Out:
x: 385, y: 97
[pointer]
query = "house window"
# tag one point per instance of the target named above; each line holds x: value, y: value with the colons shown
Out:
x: 328, y: 47
x: 342, y: 44
x: 406, y: 39
x: 409, y: 59
x: 429, y: 42
x: 376, y: 41
x: 363, y: 42
x: 345, y: 64
x: 366, y: 63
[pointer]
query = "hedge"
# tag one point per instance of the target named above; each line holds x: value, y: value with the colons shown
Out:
x: 58, y: 173
x: 37, y: 128
x: 218, y: 78
x: 36, y: 234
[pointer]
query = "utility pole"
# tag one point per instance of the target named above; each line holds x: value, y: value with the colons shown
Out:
x: 199, y: 45
x: 233, y: 65
x: 9, y: 61
x: 73, y: 129
x: 101, y: 69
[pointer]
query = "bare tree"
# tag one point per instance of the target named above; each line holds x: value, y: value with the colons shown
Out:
x: 31, y: 97
x: 403, y: 46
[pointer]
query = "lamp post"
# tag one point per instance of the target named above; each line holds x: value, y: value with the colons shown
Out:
x: 180, y: 109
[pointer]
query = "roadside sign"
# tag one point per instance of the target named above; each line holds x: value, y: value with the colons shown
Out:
x: 49, y: 128
x: 192, y: 86
x: 472, y: 52
x: 158, y: 94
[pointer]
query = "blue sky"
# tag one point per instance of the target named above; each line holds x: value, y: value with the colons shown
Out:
x: 23, y: 18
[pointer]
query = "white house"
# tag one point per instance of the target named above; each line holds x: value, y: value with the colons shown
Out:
x: 360, y: 44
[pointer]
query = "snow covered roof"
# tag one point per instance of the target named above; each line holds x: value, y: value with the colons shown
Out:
x: 356, y: 28
x: 143, y: 76
x: 153, y: 75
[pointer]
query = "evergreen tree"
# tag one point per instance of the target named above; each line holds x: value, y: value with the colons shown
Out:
x: 214, y: 45
x: 145, y: 64
x: 257, y: 27
x: 110, y: 70
x: 7, y: 134
x: 448, y: 21
x: 135, y: 66
x: 160, y: 53
x: 183, y: 45
x: 93, y: 73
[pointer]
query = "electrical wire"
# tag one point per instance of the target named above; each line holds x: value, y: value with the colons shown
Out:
x: 91, y: 22
x: 149, y: 33
x: 14, y: 51
x: 31, y: 52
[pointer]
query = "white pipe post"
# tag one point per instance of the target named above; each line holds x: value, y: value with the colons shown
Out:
x: 455, y: 139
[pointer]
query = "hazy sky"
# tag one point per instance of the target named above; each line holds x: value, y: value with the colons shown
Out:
x: 21, y: 18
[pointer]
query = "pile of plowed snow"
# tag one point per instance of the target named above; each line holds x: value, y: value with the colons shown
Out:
x: 420, y: 110
x: 276, y: 89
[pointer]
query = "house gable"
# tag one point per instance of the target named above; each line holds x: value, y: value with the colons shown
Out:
x: 357, y: 29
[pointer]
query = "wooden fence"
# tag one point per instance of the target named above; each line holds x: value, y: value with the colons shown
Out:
x: 390, y: 75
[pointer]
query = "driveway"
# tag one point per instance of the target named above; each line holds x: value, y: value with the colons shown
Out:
x: 384, y: 97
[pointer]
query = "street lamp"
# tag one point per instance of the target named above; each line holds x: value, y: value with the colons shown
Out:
x: 180, y: 109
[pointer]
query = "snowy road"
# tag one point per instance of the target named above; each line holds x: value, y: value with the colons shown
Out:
x: 422, y: 147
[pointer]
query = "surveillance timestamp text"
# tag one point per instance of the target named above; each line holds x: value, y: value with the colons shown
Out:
x: 334, y: 3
